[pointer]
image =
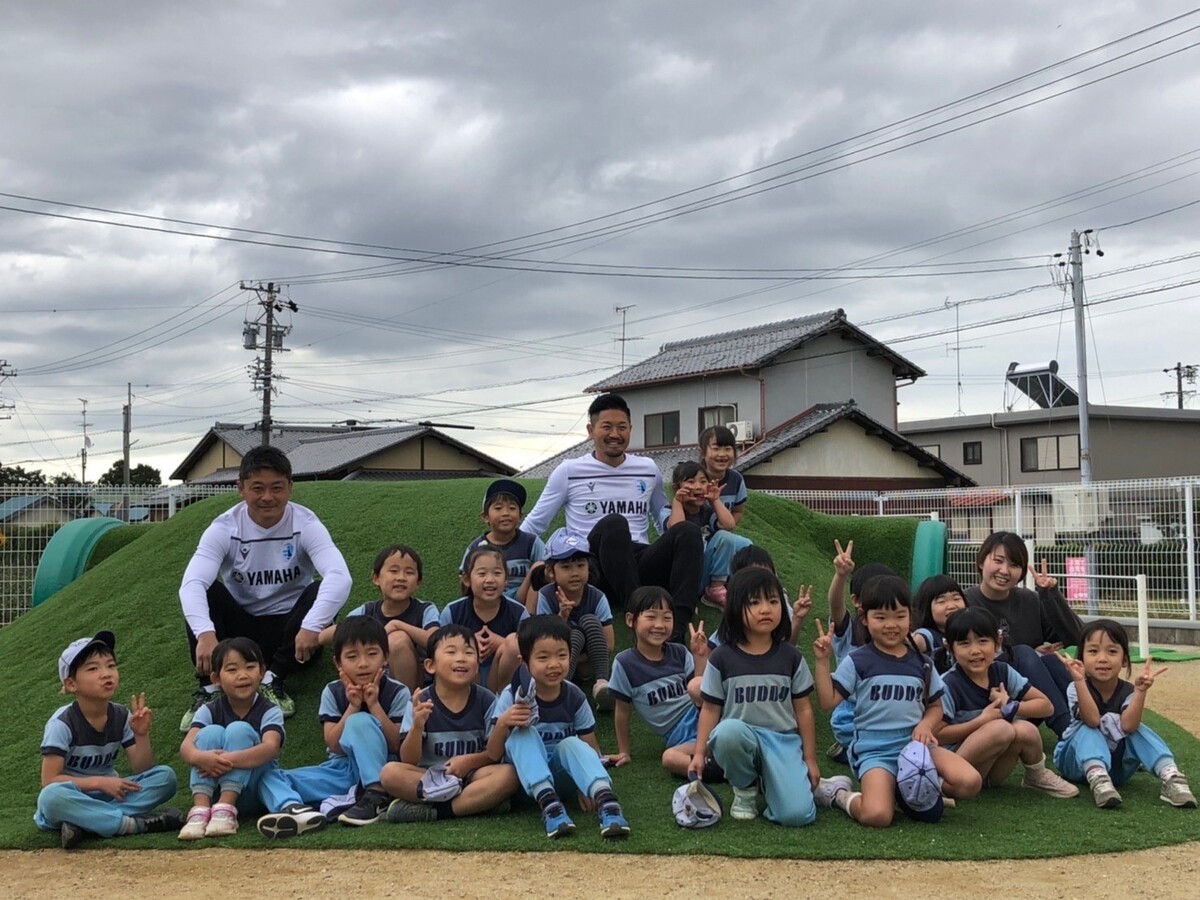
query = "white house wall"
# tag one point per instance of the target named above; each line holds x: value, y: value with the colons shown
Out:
x: 830, y: 369
x: 688, y: 398
x: 845, y: 451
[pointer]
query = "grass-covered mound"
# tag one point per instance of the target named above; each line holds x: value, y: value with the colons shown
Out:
x: 134, y: 592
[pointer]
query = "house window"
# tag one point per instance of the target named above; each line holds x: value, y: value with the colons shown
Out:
x: 662, y: 429
x: 716, y: 415
x: 1050, y: 454
x: 932, y: 449
x: 972, y: 453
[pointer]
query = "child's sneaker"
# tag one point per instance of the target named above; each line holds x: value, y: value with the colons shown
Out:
x: 1176, y: 792
x: 602, y: 696
x: 198, y: 700
x: 164, y: 820
x: 558, y: 823
x: 368, y: 810
x: 1104, y: 792
x: 745, y: 804
x: 837, y: 752
x: 277, y: 695
x: 827, y: 789
x: 715, y: 595
x: 222, y: 822
x: 293, y: 820
x: 1042, y: 779
x: 612, y: 821
x: 197, y: 822
x: 401, y: 811
x: 70, y: 836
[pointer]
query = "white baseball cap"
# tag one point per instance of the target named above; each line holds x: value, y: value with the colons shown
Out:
x: 695, y: 806
x: 75, y: 649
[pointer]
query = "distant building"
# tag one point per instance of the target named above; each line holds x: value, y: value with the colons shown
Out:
x: 812, y: 401
x: 1041, y: 446
x: 340, y: 453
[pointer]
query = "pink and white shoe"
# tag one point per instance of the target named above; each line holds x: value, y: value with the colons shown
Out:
x: 715, y: 595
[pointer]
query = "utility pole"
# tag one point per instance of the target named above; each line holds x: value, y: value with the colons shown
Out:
x: 958, y: 348
x: 622, y: 311
x: 1075, y: 257
x: 1181, y: 372
x: 6, y: 372
x: 263, y: 375
x: 87, y: 442
x: 126, y: 427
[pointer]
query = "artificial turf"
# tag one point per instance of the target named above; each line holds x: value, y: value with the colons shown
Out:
x: 133, y: 591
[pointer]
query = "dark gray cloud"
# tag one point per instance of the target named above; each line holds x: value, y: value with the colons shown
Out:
x: 450, y: 126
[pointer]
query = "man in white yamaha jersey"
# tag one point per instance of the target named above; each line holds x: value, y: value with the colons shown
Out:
x: 611, y: 497
x: 252, y: 576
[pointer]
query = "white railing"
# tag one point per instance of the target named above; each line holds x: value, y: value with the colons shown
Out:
x: 1103, y: 534
x: 29, y: 517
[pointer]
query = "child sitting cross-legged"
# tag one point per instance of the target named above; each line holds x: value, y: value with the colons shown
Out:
x: 447, y: 744
x: 364, y: 716
x: 82, y: 795
x: 542, y: 722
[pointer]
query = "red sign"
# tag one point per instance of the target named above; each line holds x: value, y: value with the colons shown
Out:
x: 1077, y: 588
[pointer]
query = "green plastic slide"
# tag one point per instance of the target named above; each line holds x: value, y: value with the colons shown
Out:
x: 66, y: 555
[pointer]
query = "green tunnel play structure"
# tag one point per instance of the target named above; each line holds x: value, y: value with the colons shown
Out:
x: 66, y: 555
x: 929, y: 551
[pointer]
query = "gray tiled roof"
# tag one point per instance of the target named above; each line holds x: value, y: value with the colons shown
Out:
x: 820, y: 417
x: 747, y: 348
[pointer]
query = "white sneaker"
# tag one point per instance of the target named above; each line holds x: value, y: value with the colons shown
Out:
x: 1104, y: 792
x: 1042, y: 779
x: 197, y: 821
x: 745, y: 804
x: 827, y: 789
x: 223, y: 821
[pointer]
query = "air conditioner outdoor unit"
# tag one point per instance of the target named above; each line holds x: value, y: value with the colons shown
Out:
x: 743, y: 431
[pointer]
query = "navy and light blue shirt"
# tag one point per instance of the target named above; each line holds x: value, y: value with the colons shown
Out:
x: 657, y: 689
x: 263, y: 716
x: 964, y: 700
x: 448, y: 734
x: 394, y: 697
x: 519, y: 555
x: 757, y: 688
x: 86, y: 751
x: 593, y: 603
x: 1114, y: 705
x: 509, y: 615
x: 419, y: 613
x: 890, y: 693
x: 567, y: 716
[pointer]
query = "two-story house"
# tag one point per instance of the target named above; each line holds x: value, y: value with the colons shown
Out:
x: 812, y: 400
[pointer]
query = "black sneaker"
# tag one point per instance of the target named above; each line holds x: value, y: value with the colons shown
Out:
x: 70, y: 835
x: 277, y: 695
x: 170, y: 819
x: 370, y: 808
x: 292, y: 821
x: 198, y: 700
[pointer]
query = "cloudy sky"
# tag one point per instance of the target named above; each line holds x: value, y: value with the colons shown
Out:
x: 458, y: 196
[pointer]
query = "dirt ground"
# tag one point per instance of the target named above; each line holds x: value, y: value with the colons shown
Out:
x: 300, y: 873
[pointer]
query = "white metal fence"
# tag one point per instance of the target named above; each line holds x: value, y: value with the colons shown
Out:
x: 1103, y: 534
x: 29, y: 517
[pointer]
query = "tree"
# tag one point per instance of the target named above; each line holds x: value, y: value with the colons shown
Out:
x: 139, y: 476
x: 62, y: 479
x: 15, y: 476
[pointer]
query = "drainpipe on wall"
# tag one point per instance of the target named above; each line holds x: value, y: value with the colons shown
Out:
x: 1003, y: 450
x: 762, y: 400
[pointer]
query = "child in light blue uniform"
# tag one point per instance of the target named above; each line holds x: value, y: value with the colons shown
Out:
x: 543, y: 724
x: 491, y: 616
x: 757, y: 718
x: 364, y: 716
x: 231, y: 743
x: 449, y: 730
x: 82, y: 795
x: 582, y: 606
x: 652, y: 678
x: 1106, y: 740
x: 987, y: 705
x: 937, y: 598
x: 502, y: 504
x: 897, y: 694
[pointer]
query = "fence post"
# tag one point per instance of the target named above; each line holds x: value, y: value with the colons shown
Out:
x: 170, y: 503
x: 1030, y: 550
x: 1018, y: 518
x: 880, y: 499
x: 1143, y: 612
x: 1189, y: 512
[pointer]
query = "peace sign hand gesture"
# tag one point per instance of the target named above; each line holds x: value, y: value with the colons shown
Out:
x: 1074, y: 666
x: 823, y: 645
x: 1145, y: 680
x: 698, y: 640
x: 843, y: 562
x: 803, y: 603
x: 1043, y: 579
